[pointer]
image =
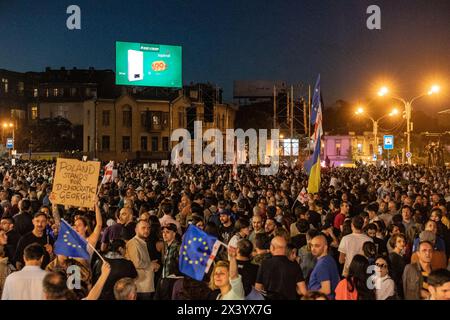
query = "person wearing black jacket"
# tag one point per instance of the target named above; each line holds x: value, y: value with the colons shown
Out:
x: 120, y: 268
x: 24, y: 219
x: 7, y: 225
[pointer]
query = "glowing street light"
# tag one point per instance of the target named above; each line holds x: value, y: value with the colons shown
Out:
x: 434, y: 89
x: 360, y: 111
x: 383, y: 91
x: 408, y: 110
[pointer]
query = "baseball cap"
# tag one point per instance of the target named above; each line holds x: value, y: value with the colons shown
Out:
x: 170, y: 226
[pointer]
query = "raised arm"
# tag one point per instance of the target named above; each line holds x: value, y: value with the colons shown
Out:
x: 96, y: 290
x: 93, y: 238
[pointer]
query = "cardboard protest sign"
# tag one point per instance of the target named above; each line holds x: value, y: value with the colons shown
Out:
x: 75, y: 182
x: 154, y: 166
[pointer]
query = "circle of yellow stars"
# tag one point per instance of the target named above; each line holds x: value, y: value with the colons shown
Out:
x: 205, y: 247
x: 70, y: 244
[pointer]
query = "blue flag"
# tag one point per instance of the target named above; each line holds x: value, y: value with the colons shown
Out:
x: 49, y: 232
x: 70, y: 243
x: 197, y: 252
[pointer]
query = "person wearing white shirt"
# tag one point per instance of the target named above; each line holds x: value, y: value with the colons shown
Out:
x: 27, y: 284
x: 352, y: 244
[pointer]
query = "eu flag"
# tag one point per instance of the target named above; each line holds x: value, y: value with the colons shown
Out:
x: 197, y: 252
x: 70, y: 243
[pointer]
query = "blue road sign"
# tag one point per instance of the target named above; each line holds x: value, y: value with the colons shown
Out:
x: 388, y: 142
x: 9, y: 143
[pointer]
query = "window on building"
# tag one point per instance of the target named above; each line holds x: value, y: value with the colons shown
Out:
x: 181, y: 119
x: 165, y: 120
x: 73, y: 92
x: 360, y: 147
x: 105, y: 118
x: 105, y: 143
x: 20, y: 88
x: 154, y: 143
x: 165, y: 143
x: 145, y: 119
x: 338, y: 147
x: 88, y: 117
x: 18, y: 114
x: 156, y: 120
x: 87, y: 92
x: 35, y: 93
x: 126, y: 143
x: 144, y: 144
x: 47, y: 92
x: 55, y: 92
x: 126, y: 119
x: 61, y: 92
x: 5, y: 85
x: 34, y: 112
x: 62, y: 111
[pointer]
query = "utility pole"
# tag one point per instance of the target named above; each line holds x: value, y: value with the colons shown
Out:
x: 408, y: 128
x: 274, y: 107
x: 292, y: 123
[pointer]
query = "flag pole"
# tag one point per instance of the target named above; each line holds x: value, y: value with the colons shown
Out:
x: 95, y: 250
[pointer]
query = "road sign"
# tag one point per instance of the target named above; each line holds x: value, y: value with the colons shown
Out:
x: 408, y: 154
x: 9, y: 143
x: 388, y: 142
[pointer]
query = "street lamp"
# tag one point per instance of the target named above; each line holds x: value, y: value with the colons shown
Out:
x: 360, y: 111
x: 408, y: 109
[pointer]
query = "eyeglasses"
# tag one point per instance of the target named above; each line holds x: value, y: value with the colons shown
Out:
x: 381, y: 265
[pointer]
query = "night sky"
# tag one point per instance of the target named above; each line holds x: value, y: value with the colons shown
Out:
x: 247, y: 39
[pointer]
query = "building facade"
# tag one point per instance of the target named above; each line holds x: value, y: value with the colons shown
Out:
x: 346, y: 149
x: 135, y: 127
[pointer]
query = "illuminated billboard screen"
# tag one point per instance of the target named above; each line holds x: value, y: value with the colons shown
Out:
x: 151, y: 65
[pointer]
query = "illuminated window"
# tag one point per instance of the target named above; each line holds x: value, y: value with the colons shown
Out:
x: 34, y: 112
x: 5, y: 85
x: 360, y: 148
x: 338, y: 147
x: 20, y: 88
x: 35, y: 92
x: 55, y: 92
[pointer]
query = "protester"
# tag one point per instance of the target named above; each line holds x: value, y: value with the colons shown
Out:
x: 137, y: 253
x: 394, y: 210
x: 27, y: 284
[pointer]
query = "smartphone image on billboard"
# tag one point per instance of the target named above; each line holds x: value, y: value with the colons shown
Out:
x: 135, y: 65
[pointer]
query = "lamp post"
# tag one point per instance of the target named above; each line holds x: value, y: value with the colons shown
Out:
x: 408, y: 110
x: 10, y: 125
x: 360, y: 111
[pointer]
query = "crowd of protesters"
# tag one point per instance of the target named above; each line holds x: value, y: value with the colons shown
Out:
x: 368, y: 234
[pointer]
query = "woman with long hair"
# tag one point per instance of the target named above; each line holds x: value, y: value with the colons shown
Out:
x: 355, y: 285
